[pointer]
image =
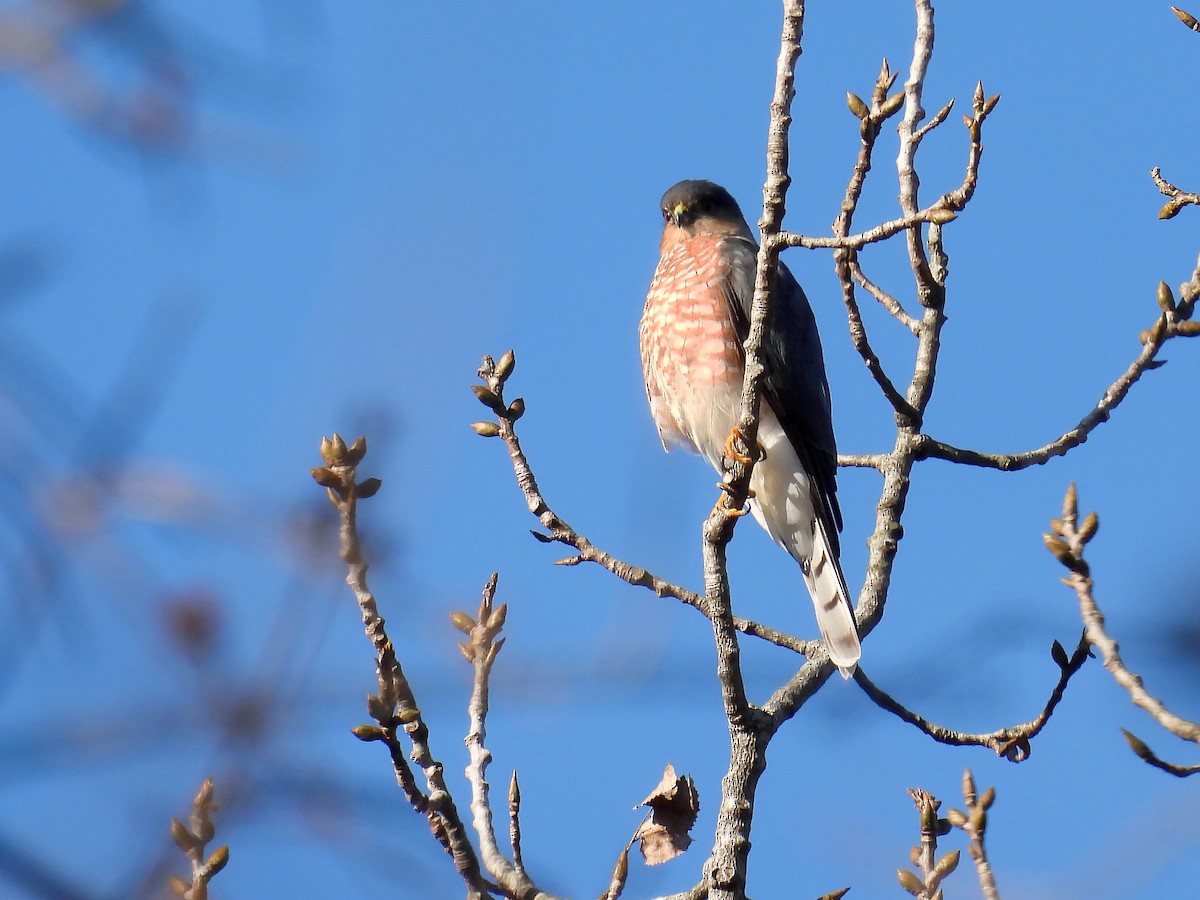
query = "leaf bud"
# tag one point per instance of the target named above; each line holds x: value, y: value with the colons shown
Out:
x: 856, y: 105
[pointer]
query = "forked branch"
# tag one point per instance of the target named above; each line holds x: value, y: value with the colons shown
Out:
x: 1012, y: 743
x: 1070, y: 535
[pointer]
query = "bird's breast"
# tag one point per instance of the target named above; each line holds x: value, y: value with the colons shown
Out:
x: 691, y: 352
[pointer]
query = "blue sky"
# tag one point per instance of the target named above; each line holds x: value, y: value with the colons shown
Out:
x: 372, y: 196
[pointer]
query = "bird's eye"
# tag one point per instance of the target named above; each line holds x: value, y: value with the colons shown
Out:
x: 666, y: 214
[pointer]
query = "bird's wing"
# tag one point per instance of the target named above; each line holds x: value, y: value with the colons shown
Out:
x: 794, y: 383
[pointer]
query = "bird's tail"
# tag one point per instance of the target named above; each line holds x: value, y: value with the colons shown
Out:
x: 785, y: 505
x: 831, y: 599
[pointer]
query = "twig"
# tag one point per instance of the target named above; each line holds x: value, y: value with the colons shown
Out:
x: 192, y: 839
x: 514, y: 822
x: 845, y: 259
x: 620, y: 872
x: 1138, y: 746
x: 881, y: 232
x: 1177, y: 199
x: 974, y: 823
x: 395, y: 707
x: 1067, y: 544
x: 1012, y: 743
x: 1167, y: 326
x: 481, y: 649
x: 938, y: 118
x: 495, y: 375
x: 864, y: 460
x: 491, y: 393
x: 910, y: 140
x: 886, y: 300
x: 926, y: 886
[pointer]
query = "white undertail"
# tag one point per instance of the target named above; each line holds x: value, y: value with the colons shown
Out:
x: 790, y: 518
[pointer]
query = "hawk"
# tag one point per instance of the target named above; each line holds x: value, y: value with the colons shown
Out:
x: 696, y: 318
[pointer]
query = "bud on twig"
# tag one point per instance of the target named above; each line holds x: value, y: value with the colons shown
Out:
x: 856, y: 105
x: 1071, y: 502
x: 505, y: 366
x: 1087, y: 530
x: 367, y: 733
x: 218, y: 861
x: 1059, y: 655
x: 488, y: 398
x: 891, y: 104
x: 946, y: 864
x: 1060, y: 549
x: 910, y: 882
x: 1166, y: 300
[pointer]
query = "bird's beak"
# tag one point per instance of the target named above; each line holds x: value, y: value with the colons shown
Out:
x: 677, y: 213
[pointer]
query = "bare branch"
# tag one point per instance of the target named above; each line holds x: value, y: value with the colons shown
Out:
x: 1176, y: 198
x: 974, y: 823
x: 890, y: 303
x: 1167, y: 326
x: 495, y: 376
x: 192, y: 839
x: 1067, y: 544
x: 926, y: 886
x: 514, y: 822
x: 938, y: 118
x: 726, y: 869
x: 936, y: 213
x: 616, y: 883
x: 910, y: 140
x: 1138, y: 746
x: 395, y: 706
x: 864, y: 460
x: 1012, y: 743
x: 845, y: 260
x: 481, y: 649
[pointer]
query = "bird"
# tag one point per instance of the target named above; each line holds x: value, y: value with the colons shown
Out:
x: 693, y: 326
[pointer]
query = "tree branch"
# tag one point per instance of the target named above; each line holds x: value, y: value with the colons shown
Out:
x: 1012, y: 743
x: 1067, y: 544
x: 1169, y: 324
x: 395, y: 707
x: 1176, y: 198
x: 481, y: 649
x: 886, y: 300
x: 974, y: 823
x: 192, y: 839
x: 495, y: 376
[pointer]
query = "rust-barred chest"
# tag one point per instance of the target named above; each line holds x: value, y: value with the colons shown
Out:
x: 691, y: 352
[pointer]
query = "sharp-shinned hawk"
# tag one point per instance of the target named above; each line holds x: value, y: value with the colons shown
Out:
x: 695, y: 321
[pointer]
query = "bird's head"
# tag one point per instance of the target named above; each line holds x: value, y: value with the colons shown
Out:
x: 701, y: 207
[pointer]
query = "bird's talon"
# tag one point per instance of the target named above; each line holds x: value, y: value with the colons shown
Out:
x: 727, y: 488
x: 723, y: 506
x: 730, y: 451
